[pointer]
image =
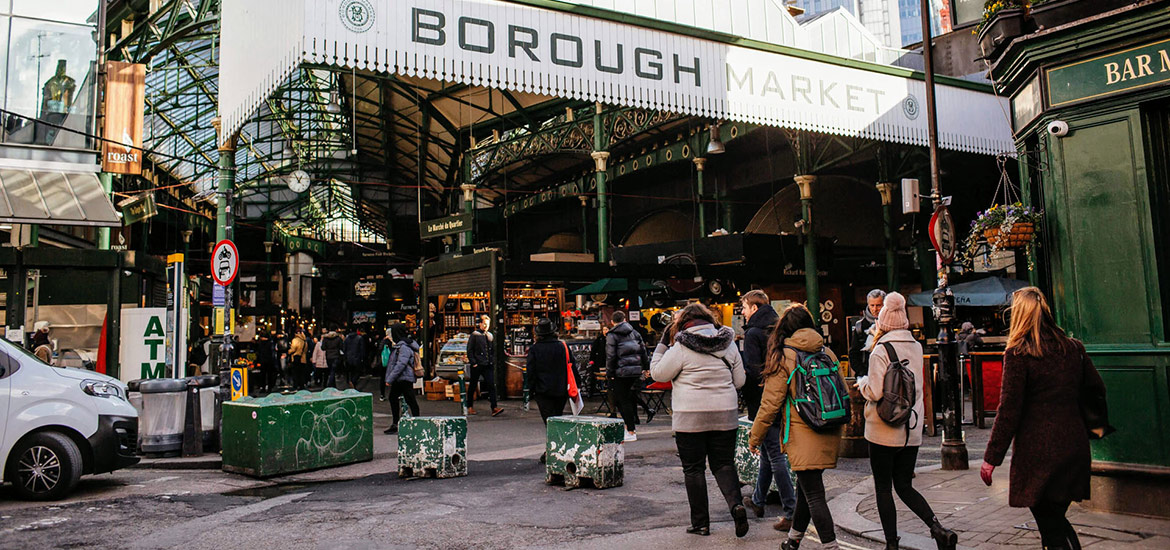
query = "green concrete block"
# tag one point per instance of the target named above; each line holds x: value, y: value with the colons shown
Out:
x: 282, y: 434
x: 747, y: 465
x: 585, y: 449
x: 432, y: 446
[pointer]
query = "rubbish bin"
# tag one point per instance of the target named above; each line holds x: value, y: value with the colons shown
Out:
x: 164, y: 406
x: 209, y: 400
x: 134, y: 395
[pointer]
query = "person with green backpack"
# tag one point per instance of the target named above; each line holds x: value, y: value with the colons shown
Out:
x: 806, y: 395
x: 893, y: 421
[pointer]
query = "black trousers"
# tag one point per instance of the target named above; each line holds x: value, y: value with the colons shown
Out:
x: 550, y: 405
x: 484, y: 377
x: 1055, y: 530
x: 716, y: 448
x: 893, y: 468
x: 626, y: 400
x: 404, y: 389
x: 811, y: 505
x: 752, y: 394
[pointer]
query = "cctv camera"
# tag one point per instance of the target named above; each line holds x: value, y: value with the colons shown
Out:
x: 1058, y: 128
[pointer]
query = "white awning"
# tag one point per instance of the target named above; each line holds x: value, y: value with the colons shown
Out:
x: 57, y: 198
x: 612, y: 58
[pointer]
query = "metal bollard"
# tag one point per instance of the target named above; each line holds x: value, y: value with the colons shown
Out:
x: 193, y: 421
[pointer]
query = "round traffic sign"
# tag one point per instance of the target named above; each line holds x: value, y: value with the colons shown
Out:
x: 942, y: 234
x: 225, y: 262
x: 237, y: 381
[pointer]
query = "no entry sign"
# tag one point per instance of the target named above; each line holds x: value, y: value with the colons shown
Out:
x: 942, y: 234
x: 225, y: 262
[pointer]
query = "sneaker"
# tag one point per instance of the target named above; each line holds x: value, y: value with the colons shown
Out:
x: 470, y: 411
x: 650, y: 414
x: 497, y: 411
x: 381, y: 398
x: 631, y: 436
x: 750, y: 505
x: 701, y: 531
x: 783, y: 524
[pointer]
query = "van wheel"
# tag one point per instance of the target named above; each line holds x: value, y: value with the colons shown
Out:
x: 47, y: 466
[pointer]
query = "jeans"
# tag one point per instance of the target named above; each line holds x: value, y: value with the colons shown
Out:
x: 334, y: 365
x: 404, y: 389
x: 487, y: 374
x: 625, y: 398
x: 774, y: 464
x: 811, y: 505
x: 1055, y: 530
x: 894, y: 467
x: 717, y: 448
x: 550, y: 405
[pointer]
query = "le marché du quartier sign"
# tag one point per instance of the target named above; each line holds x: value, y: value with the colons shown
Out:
x: 446, y: 226
x: 1110, y: 74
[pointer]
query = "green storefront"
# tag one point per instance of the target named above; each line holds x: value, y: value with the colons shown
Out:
x: 1091, y: 116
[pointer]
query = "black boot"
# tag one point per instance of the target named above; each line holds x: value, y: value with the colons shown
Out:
x: 943, y: 537
x: 893, y: 545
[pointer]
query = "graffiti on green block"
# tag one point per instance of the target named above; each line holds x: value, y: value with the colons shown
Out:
x: 334, y: 433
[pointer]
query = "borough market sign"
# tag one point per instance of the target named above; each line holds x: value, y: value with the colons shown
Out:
x: 543, y: 49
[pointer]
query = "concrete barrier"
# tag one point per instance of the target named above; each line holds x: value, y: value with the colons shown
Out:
x: 431, y: 446
x: 585, y: 450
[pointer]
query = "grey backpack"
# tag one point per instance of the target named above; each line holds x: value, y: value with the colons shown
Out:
x: 896, y: 406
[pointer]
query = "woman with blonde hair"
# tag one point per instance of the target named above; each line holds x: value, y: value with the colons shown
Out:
x: 810, y: 452
x: 1052, y: 398
x: 700, y: 358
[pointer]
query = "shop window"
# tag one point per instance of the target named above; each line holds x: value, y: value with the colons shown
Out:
x: 50, y: 78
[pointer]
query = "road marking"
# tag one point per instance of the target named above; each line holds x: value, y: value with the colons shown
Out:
x: 181, y: 535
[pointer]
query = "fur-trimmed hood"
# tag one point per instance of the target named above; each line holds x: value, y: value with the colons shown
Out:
x: 706, y: 338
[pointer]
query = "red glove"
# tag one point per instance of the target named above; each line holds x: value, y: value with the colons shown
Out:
x: 985, y: 473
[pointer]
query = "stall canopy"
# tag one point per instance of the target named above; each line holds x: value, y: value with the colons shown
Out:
x: 611, y: 286
x: 989, y: 292
x: 57, y: 198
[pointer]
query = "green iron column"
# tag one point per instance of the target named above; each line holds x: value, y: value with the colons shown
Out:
x: 600, y: 158
x: 103, y: 233
x: 700, y: 162
x: 227, y: 176
x: 886, y: 190
x: 811, y: 282
x: 584, y: 223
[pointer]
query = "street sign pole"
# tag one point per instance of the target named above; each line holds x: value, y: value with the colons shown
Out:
x: 954, y: 449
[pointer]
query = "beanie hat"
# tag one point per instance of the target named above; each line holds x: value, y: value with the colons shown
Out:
x: 893, y: 314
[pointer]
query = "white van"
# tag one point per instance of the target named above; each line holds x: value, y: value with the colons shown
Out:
x: 59, y: 423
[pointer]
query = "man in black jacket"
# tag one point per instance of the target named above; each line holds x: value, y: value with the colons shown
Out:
x: 625, y: 361
x: 355, y: 355
x: 760, y: 319
x: 862, y: 332
x: 481, y: 363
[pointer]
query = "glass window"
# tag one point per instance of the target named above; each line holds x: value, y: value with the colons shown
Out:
x: 69, y: 11
x: 50, y: 73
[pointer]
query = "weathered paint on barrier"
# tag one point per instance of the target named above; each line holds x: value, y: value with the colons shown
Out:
x: 585, y: 449
x: 432, y: 446
x: 282, y: 434
x: 747, y: 465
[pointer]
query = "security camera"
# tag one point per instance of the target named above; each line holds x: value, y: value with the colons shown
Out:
x: 1058, y: 128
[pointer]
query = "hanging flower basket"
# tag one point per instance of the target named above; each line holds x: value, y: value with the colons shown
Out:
x: 1018, y: 235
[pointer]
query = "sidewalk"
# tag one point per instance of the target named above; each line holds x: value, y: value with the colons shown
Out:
x: 983, y: 519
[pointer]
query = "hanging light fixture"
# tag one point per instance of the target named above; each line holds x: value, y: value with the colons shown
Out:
x: 715, y: 145
x: 334, y: 106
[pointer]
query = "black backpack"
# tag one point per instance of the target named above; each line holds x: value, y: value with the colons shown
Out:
x: 819, y: 395
x: 896, y: 406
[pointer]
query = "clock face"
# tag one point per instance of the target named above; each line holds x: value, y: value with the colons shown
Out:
x: 298, y: 181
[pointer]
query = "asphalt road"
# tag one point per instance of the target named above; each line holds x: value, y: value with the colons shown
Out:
x: 502, y: 503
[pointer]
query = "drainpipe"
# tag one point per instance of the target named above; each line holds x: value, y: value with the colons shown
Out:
x: 811, y: 284
x: 886, y: 190
x: 103, y: 234
x: 699, y: 163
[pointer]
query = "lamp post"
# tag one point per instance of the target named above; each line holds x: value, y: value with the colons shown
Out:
x: 811, y: 284
x: 954, y: 448
x: 469, y: 208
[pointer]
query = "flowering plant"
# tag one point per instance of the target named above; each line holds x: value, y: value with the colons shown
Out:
x: 1001, y: 217
x: 992, y: 7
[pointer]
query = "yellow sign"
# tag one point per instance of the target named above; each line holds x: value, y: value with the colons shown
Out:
x: 239, y: 383
x: 217, y: 323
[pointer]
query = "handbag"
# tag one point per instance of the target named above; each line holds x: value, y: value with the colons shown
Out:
x: 576, y: 403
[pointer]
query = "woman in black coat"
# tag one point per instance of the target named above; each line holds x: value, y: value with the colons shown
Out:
x: 1048, y: 383
x: 548, y: 371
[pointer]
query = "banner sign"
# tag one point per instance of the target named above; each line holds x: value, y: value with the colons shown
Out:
x: 125, y: 104
x: 293, y: 244
x: 446, y: 226
x: 552, y: 52
x: 1109, y: 74
x: 142, y: 351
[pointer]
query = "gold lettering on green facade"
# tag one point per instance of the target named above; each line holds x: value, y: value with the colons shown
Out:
x: 1109, y: 74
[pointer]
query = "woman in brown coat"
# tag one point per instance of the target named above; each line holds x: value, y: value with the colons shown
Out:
x: 810, y: 453
x: 1045, y: 377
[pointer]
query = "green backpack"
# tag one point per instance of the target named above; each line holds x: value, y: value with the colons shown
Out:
x: 819, y: 395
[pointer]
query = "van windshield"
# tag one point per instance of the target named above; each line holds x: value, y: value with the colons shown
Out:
x: 13, y: 346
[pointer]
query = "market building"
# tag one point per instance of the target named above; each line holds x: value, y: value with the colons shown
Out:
x: 1089, y: 117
